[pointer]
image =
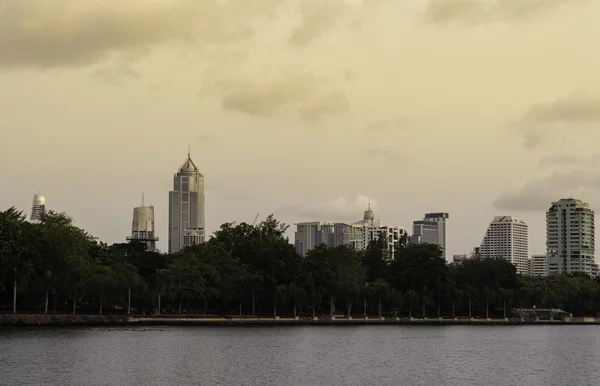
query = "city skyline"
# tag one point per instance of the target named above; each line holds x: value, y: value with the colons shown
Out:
x: 299, y: 108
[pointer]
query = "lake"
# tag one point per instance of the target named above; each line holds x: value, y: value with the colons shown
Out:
x: 307, y: 355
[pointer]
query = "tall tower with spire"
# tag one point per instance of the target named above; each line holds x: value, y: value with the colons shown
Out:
x: 186, y: 207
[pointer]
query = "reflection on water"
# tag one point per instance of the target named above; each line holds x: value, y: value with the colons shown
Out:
x: 311, y: 355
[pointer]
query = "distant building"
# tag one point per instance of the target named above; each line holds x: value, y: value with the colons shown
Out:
x: 186, y: 207
x: 570, y: 237
x: 38, y: 208
x: 142, y: 226
x: 308, y: 235
x: 538, y: 266
x: 193, y: 237
x: 358, y: 235
x: 458, y: 259
x: 507, y: 238
x: 431, y: 230
x: 392, y: 234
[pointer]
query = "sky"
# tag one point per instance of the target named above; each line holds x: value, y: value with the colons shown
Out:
x: 302, y: 108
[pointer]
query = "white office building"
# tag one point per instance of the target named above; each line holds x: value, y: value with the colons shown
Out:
x: 431, y: 230
x: 538, y: 265
x: 570, y: 237
x: 186, y: 207
x: 507, y: 238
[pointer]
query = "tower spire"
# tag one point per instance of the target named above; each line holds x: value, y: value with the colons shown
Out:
x: 142, y: 199
x: 189, y: 150
x: 369, y: 203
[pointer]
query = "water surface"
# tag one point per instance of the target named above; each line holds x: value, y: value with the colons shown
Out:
x: 311, y: 355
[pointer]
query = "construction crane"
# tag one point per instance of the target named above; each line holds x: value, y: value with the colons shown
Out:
x: 255, y: 218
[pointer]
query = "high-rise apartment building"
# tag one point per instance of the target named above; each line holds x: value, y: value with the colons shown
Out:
x: 186, y: 207
x: 431, y: 230
x: 38, y: 208
x: 570, y: 237
x: 142, y: 226
x: 308, y: 235
x: 538, y: 266
x: 507, y: 238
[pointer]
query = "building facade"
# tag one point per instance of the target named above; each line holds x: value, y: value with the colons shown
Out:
x: 38, y: 207
x: 358, y: 235
x: 186, y: 207
x: 142, y: 226
x: 570, y: 237
x: 308, y: 235
x: 538, y: 266
x: 507, y: 238
x: 431, y: 230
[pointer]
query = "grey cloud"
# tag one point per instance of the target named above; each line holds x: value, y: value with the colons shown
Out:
x: 115, y: 74
x: 206, y: 138
x: 480, y: 11
x: 302, y: 93
x: 387, y: 152
x: 560, y: 160
x: 42, y: 33
x: 396, y: 123
x: 574, y: 108
x: 538, y: 193
x: 338, y: 209
x: 573, y: 111
x: 319, y: 16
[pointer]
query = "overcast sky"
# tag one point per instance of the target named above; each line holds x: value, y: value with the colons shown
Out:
x: 302, y: 108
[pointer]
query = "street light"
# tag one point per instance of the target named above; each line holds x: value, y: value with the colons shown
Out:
x: 15, y: 293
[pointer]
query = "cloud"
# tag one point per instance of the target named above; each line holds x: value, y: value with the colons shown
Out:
x: 540, y: 192
x: 339, y: 209
x: 560, y: 160
x: 206, y: 138
x: 481, y: 11
x: 302, y: 93
x: 574, y: 111
x: 317, y: 17
x: 117, y: 73
x: 395, y: 123
x: 43, y: 33
x: 384, y: 152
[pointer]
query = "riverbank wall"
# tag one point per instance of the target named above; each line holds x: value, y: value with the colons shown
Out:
x: 124, y: 320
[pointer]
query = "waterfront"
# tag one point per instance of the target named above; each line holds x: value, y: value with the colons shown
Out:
x: 307, y: 355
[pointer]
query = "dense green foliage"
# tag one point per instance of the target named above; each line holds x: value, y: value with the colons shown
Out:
x: 255, y: 270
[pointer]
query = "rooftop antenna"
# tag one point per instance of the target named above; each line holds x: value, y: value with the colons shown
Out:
x: 369, y: 203
x: 142, y: 199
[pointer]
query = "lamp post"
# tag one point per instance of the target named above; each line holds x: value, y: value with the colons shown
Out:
x: 15, y: 293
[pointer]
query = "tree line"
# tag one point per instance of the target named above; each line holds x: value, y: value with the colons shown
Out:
x: 53, y: 266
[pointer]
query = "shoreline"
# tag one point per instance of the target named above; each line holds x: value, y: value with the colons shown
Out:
x: 57, y: 320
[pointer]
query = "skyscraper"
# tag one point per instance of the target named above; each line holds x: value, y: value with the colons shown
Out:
x: 186, y: 207
x: 507, y: 238
x: 431, y: 230
x: 570, y: 237
x: 38, y: 208
x: 142, y: 226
